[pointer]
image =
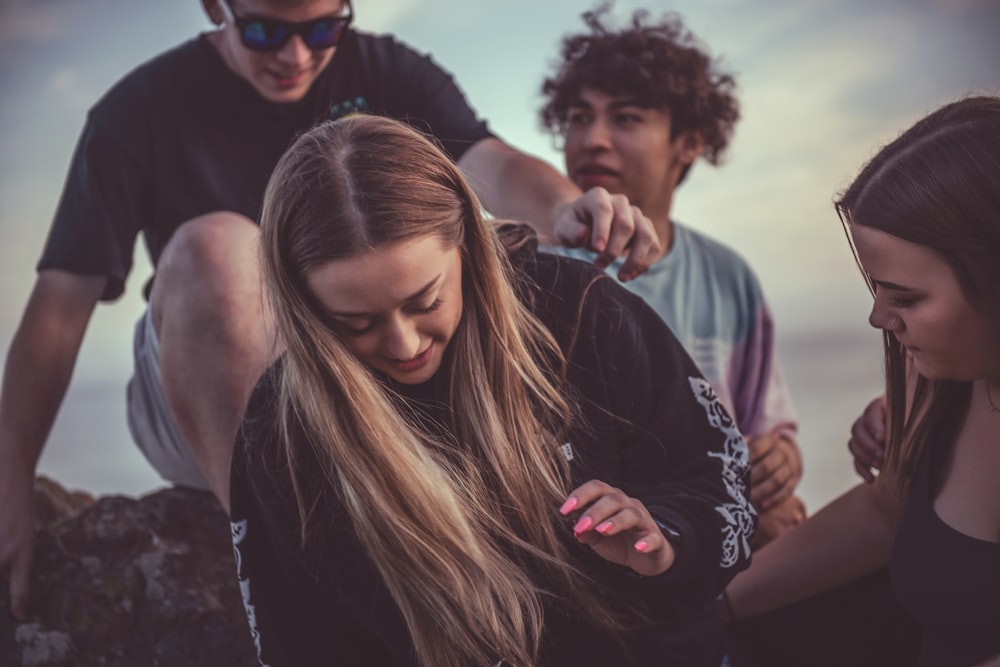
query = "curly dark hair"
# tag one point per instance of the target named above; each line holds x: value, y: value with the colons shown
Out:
x: 661, y: 64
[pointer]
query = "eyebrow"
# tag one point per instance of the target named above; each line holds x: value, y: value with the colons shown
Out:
x: 416, y: 295
x: 893, y: 286
x: 616, y: 104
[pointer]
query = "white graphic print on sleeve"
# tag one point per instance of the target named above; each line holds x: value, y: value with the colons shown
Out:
x: 239, y: 530
x: 735, y: 458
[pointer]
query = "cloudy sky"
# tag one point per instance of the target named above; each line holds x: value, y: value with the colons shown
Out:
x: 823, y: 83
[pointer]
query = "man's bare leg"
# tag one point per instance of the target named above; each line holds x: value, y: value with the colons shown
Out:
x: 215, y: 335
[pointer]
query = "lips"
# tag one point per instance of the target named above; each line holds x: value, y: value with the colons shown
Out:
x: 594, y: 169
x: 287, y: 79
x: 591, y: 174
x: 416, y: 362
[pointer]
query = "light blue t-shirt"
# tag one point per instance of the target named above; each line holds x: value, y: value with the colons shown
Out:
x: 711, y: 299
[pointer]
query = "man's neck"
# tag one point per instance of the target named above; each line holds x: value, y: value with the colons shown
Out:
x: 658, y: 213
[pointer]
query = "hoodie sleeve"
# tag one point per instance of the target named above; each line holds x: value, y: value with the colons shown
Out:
x: 658, y: 432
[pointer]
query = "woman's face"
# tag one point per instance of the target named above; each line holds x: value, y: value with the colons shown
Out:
x: 918, y: 299
x: 397, y: 306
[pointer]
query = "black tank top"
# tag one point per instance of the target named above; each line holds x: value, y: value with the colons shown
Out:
x: 947, y: 580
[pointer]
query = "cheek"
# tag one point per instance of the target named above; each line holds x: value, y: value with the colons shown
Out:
x: 320, y: 59
x: 447, y: 323
x: 364, y: 347
x: 571, y: 147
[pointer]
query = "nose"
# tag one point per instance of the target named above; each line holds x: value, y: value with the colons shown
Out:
x: 596, y: 135
x: 402, y: 340
x: 882, y: 317
x: 294, y: 52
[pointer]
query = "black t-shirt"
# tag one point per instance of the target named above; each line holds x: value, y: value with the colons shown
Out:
x: 948, y: 581
x: 182, y: 136
x: 652, y: 427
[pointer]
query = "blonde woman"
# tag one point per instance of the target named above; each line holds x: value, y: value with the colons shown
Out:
x: 470, y: 453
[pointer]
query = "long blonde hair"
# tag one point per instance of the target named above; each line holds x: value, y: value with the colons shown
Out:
x: 461, y: 524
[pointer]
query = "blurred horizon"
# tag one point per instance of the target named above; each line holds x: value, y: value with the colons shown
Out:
x: 822, y: 85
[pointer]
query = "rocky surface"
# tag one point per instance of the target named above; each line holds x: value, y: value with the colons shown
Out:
x: 131, y: 582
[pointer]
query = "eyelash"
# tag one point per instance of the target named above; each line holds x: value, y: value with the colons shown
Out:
x: 896, y: 302
x: 429, y: 309
x: 416, y: 311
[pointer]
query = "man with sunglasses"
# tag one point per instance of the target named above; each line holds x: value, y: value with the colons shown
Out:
x: 180, y: 151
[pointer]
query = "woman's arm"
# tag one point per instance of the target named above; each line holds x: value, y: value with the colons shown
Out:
x: 848, y: 538
x: 662, y: 437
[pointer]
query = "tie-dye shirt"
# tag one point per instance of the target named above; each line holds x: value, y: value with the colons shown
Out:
x: 712, y: 300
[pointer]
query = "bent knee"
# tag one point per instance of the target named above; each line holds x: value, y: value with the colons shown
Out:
x: 214, y: 253
x: 209, y: 244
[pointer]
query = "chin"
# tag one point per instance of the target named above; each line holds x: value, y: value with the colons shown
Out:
x: 415, y: 377
x: 282, y: 96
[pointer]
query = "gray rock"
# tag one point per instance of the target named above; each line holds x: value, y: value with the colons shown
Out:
x: 121, y: 581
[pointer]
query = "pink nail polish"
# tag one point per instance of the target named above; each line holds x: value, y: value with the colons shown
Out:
x: 568, y: 506
x: 641, y: 546
x: 604, y: 527
x: 583, y: 524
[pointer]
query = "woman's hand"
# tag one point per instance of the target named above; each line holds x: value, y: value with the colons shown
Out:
x: 867, y: 442
x: 618, y: 528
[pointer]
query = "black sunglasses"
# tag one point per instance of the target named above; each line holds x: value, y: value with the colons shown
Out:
x: 261, y: 33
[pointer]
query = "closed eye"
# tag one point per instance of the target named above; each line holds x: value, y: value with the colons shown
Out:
x: 898, y: 302
x: 428, y: 309
x: 355, y: 331
x: 626, y: 118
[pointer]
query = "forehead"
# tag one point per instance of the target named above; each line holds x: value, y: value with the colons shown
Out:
x: 288, y: 7
x: 600, y: 99
x: 891, y: 259
x: 382, y: 277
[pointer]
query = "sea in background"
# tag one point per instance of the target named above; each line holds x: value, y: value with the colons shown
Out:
x: 831, y: 376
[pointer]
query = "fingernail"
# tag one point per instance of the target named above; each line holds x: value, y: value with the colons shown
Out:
x: 641, y: 545
x: 604, y: 527
x: 583, y: 524
x: 568, y: 506
x: 599, y: 244
x: 625, y: 277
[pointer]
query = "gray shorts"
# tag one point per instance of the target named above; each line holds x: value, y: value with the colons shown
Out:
x: 149, y: 419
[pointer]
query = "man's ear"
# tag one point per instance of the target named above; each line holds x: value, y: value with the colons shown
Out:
x: 214, y: 12
x: 692, y: 145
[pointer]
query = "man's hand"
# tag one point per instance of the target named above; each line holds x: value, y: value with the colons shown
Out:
x: 610, y: 226
x: 778, y: 520
x: 37, y: 371
x: 867, y: 442
x: 775, y: 470
x: 17, y: 534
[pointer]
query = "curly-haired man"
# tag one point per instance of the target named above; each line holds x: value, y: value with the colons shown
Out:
x: 635, y: 109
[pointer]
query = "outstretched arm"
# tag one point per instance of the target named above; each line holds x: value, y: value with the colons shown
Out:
x: 37, y: 373
x: 848, y: 538
x: 514, y: 185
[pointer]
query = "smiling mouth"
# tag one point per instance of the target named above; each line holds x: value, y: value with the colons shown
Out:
x: 416, y: 362
x: 287, y: 78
